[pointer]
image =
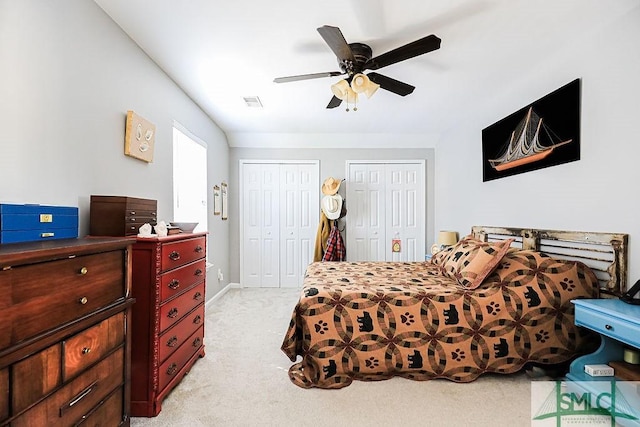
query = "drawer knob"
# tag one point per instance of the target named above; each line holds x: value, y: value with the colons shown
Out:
x: 199, y: 248
x: 197, y: 342
x: 608, y: 327
x: 174, y: 255
x: 197, y: 296
x: 86, y: 350
x: 132, y: 213
x: 172, y: 313
x: 197, y: 319
x: 84, y: 300
x: 171, y: 342
x: 172, y: 369
x: 198, y: 272
x: 174, y: 284
x: 84, y: 270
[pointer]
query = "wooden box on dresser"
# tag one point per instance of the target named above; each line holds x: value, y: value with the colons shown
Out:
x: 65, y: 347
x: 168, y: 282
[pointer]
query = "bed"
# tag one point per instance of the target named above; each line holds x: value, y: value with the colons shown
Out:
x: 496, y: 301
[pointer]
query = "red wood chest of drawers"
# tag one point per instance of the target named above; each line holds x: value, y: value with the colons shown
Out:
x: 65, y: 311
x: 168, y: 282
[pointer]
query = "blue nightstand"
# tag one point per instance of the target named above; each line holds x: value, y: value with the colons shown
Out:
x: 618, y: 324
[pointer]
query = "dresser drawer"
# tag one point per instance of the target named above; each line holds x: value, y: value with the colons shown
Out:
x: 176, y: 281
x: 90, y: 345
x: 110, y: 410
x: 178, y: 334
x: 48, y: 294
x: 38, y: 375
x: 174, y: 364
x: 76, y: 400
x: 4, y: 394
x: 172, y: 311
x: 617, y: 328
x: 182, y: 252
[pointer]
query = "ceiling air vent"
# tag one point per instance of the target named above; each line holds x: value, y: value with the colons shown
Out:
x: 252, y: 101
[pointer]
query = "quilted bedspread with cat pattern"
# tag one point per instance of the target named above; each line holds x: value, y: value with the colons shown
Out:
x: 375, y: 320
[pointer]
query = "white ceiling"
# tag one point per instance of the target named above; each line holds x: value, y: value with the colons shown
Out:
x: 219, y: 51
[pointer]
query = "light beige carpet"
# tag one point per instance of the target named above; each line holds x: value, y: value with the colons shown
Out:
x: 243, y: 381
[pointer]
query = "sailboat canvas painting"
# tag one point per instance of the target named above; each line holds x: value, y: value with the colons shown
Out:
x: 542, y: 134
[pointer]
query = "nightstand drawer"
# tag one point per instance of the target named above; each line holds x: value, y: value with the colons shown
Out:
x: 605, y: 324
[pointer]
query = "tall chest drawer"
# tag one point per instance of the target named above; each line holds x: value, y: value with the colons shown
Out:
x: 44, y: 295
x: 175, y: 254
x: 176, y: 281
x: 174, y: 364
x: 174, y: 310
x: 174, y: 337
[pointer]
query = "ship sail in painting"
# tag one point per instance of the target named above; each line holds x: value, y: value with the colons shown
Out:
x: 525, y: 144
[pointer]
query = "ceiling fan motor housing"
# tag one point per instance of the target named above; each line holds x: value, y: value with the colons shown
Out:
x: 361, y: 54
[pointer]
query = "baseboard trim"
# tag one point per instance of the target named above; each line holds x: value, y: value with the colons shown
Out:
x: 221, y: 293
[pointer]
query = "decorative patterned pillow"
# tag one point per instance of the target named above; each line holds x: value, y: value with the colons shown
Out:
x: 441, y: 256
x: 472, y: 260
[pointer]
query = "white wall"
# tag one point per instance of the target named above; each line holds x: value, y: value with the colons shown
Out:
x: 596, y: 193
x: 68, y: 75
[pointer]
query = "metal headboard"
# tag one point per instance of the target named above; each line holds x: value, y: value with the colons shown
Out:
x: 604, y: 253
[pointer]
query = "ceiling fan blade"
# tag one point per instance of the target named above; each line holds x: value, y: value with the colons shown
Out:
x: 307, y: 76
x: 418, y: 47
x: 390, y: 84
x: 335, y: 102
x: 334, y: 38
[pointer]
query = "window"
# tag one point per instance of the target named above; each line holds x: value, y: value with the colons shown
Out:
x: 189, y: 178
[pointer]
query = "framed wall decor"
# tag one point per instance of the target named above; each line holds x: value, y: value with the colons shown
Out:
x: 542, y: 134
x: 216, y: 200
x: 225, y: 201
x: 139, y: 137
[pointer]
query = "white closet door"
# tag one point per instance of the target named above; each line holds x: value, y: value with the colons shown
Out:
x: 252, y: 225
x: 385, y: 202
x: 405, y: 211
x: 365, y: 203
x: 279, y: 214
x: 270, y: 226
x: 261, y: 226
x: 298, y: 221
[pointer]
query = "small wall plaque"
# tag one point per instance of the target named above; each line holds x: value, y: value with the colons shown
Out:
x: 139, y: 137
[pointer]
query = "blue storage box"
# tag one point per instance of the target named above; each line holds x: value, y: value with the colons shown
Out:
x: 28, y: 223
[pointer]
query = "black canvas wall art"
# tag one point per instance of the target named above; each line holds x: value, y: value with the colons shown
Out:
x: 542, y: 134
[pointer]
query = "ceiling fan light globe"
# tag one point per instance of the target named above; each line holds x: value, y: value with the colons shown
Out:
x: 359, y: 83
x: 371, y: 89
x: 340, y: 89
x: 362, y: 84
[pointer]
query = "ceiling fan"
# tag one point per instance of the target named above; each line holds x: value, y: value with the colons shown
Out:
x: 355, y: 58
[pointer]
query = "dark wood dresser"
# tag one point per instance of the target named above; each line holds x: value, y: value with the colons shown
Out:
x: 120, y: 215
x: 168, y: 282
x: 64, y: 347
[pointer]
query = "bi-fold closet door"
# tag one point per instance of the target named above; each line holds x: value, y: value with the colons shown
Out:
x: 385, y: 204
x: 279, y: 219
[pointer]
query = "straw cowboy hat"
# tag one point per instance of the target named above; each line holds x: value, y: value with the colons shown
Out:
x: 330, y: 186
x: 332, y: 206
